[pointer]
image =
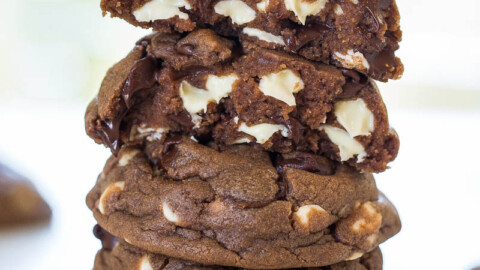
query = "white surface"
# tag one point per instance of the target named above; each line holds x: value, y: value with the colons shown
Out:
x: 47, y: 143
x: 435, y: 184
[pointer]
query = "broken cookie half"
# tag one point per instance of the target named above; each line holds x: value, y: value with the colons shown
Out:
x: 357, y: 34
x: 214, y: 89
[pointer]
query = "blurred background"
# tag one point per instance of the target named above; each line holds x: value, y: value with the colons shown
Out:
x: 54, y: 54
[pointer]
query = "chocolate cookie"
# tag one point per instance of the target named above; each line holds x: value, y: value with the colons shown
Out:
x: 127, y: 257
x: 209, y: 87
x: 240, y: 206
x: 19, y: 201
x: 361, y: 34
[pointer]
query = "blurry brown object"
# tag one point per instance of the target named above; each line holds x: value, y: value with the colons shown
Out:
x: 20, y: 202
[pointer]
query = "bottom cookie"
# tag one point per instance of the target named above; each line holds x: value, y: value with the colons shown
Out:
x: 124, y: 256
x: 240, y: 206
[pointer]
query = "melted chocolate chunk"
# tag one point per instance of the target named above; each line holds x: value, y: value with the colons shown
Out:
x: 305, y: 161
x: 110, y: 132
x: 108, y: 241
x: 306, y: 34
x: 295, y: 127
x: 354, y: 82
x: 142, y: 76
x: 381, y: 63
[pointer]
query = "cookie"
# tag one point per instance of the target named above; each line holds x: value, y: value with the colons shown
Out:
x: 361, y: 34
x: 240, y: 206
x: 127, y: 257
x: 213, y: 89
x: 20, y: 203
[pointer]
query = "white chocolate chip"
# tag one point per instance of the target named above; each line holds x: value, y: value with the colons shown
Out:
x: 150, y: 133
x: 303, y: 213
x: 354, y: 1
x: 352, y: 60
x: 169, y: 214
x: 359, y: 224
x: 112, y: 188
x: 262, y: 35
x: 242, y: 140
x: 372, y: 239
x: 196, y: 100
x: 193, y: 139
x: 338, y: 9
x: 368, y: 207
x: 357, y: 120
x: 282, y: 85
x: 263, y: 132
x: 220, y: 87
x: 145, y: 263
x: 127, y: 156
x: 235, y: 119
x: 355, y: 255
x: 262, y: 6
x: 368, y: 219
x: 305, y: 8
x: 355, y: 117
x: 237, y: 10
x: 161, y: 10
x: 347, y: 145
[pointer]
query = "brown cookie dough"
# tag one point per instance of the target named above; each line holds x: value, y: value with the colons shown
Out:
x: 19, y: 201
x: 354, y: 34
x: 240, y: 207
x: 127, y: 257
x: 209, y: 87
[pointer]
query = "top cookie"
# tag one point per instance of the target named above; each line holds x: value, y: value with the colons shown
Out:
x: 354, y: 34
x: 209, y: 87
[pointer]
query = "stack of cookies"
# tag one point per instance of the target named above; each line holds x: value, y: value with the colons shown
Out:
x: 244, y: 135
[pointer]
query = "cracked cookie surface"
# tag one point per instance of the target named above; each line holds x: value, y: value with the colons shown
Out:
x: 240, y: 206
x: 212, y: 88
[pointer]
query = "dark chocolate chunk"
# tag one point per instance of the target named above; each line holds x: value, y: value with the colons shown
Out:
x: 354, y: 82
x: 141, y: 77
x: 108, y: 240
x: 305, y: 161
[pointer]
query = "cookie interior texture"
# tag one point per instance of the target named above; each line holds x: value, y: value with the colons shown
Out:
x: 361, y: 35
x: 20, y: 203
x: 212, y: 88
x: 124, y: 256
x: 240, y: 206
